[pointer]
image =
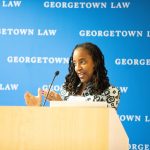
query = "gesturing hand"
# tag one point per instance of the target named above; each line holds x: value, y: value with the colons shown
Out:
x: 52, y: 95
x: 32, y: 100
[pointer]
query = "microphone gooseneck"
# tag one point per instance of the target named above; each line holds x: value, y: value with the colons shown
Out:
x: 56, y: 74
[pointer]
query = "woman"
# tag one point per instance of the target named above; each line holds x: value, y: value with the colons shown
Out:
x: 87, y: 77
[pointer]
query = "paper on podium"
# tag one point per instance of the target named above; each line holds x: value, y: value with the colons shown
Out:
x: 77, y: 101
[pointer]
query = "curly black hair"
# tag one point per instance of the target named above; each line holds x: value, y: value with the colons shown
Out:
x: 100, y: 81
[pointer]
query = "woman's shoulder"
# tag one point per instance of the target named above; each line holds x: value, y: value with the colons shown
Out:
x: 112, y: 90
x: 112, y: 95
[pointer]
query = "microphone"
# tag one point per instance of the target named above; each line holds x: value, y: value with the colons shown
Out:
x: 56, y: 74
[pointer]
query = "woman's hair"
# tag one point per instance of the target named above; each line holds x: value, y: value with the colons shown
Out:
x: 99, y: 81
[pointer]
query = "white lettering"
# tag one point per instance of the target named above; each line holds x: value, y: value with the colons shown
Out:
x: 130, y: 118
x: 139, y: 146
x: 28, y: 32
x: 110, y: 33
x: 147, y: 119
x: 9, y: 87
x: 46, y: 32
x: 39, y: 60
x: 148, y: 33
x: 11, y: 3
x: 10, y: 31
x: 123, y: 89
x: 130, y: 61
x: 120, y: 4
x: 75, y: 5
x: 56, y: 88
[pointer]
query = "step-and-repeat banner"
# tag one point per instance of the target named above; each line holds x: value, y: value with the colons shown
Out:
x: 37, y: 38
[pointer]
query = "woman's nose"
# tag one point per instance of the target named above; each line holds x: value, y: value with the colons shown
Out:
x: 78, y: 67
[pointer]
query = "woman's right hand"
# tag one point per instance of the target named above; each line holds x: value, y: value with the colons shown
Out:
x: 32, y: 100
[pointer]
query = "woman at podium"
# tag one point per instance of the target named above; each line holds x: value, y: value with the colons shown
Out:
x: 87, y: 77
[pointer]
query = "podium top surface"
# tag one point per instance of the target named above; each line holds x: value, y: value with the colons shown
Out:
x: 77, y: 104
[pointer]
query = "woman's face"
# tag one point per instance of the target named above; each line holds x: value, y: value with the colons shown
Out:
x: 84, y: 65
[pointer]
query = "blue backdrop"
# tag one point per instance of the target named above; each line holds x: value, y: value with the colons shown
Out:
x: 37, y: 38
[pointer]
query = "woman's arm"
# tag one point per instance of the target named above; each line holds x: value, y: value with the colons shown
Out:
x: 32, y: 100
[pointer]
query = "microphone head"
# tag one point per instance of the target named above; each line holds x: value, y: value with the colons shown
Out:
x: 56, y: 73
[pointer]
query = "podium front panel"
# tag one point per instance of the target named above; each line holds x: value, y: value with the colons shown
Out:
x: 65, y: 128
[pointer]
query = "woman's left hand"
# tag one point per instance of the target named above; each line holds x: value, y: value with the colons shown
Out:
x: 52, y: 95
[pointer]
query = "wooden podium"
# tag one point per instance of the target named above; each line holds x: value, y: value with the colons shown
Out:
x: 61, y: 128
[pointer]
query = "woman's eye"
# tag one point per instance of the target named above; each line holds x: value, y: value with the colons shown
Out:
x: 79, y: 63
x: 82, y: 61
